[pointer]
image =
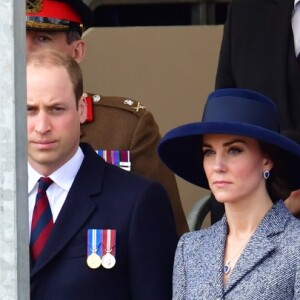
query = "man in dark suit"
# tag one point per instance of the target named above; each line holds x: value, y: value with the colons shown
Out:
x: 258, y: 53
x: 109, y: 233
x: 114, y: 124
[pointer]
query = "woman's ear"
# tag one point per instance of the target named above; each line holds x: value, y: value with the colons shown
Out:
x: 268, y: 164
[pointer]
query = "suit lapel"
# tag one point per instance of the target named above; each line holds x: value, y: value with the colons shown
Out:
x: 257, y: 249
x: 214, y: 258
x: 219, y: 257
x: 261, y: 244
x: 77, y: 208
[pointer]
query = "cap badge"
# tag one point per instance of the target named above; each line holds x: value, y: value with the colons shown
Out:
x: 34, y: 6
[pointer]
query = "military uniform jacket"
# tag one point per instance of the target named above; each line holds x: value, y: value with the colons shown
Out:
x: 124, y: 124
x: 268, y: 268
x: 258, y: 53
x: 105, y: 197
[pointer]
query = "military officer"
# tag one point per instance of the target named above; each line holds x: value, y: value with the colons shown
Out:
x: 119, y: 129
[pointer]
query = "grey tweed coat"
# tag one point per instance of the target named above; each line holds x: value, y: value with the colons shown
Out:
x: 268, y: 268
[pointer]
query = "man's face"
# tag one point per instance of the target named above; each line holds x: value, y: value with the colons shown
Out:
x: 53, y: 119
x: 36, y: 40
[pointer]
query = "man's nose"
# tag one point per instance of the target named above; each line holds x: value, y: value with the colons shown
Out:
x: 43, y: 124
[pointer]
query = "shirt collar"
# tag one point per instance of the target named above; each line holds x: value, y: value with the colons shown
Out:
x: 296, y: 2
x: 63, y: 177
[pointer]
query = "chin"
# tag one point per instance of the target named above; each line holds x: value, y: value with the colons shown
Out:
x: 222, y: 200
x: 223, y: 197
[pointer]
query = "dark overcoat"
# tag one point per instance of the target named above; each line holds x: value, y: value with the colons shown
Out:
x: 258, y: 53
x: 106, y: 197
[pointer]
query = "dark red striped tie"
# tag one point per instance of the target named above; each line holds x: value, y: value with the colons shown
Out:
x: 42, y: 221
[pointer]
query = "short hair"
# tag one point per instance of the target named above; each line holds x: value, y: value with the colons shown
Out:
x: 72, y: 36
x: 50, y: 57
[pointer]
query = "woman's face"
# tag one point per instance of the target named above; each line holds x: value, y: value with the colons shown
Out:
x: 234, y: 166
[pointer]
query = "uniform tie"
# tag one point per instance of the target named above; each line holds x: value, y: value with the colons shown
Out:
x: 42, y: 221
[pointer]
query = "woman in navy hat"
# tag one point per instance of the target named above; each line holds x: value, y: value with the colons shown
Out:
x: 237, y: 152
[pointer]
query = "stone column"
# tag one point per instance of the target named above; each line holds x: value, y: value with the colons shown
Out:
x: 14, y: 262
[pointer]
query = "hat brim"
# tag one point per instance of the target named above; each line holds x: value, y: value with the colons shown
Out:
x: 181, y: 149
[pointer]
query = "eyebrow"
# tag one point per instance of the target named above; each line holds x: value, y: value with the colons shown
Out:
x: 229, y: 143
x: 45, y: 32
x: 52, y: 105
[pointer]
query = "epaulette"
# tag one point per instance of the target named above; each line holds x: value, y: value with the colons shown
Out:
x: 129, y: 105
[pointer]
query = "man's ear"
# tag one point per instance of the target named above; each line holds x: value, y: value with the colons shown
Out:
x: 82, y: 109
x: 79, y: 49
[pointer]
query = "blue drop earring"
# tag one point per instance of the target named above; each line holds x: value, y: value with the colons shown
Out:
x: 266, y: 174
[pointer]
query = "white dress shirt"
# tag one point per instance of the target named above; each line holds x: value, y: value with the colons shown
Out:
x: 296, y: 26
x: 57, y: 192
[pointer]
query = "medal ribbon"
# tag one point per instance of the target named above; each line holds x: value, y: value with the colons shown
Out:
x: 108, y: 156
x: 94, y: 242
x: 109, y: 242
x: 118, y: 158
x: 115, y: 157
x: 125, y: 160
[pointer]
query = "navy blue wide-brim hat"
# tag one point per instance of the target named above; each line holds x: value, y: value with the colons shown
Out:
x: 228, y: 111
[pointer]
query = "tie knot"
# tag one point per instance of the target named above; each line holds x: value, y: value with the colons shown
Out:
x: 44, y: 183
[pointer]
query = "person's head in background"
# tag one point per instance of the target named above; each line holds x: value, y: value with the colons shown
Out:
x: 55, y: 109
x: 57, y: 24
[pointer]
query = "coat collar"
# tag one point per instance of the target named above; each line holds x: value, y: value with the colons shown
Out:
x: 77, y: 208
x: 261, y: 244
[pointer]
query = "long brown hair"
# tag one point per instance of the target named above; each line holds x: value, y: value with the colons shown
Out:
x: 277, y: 186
